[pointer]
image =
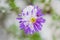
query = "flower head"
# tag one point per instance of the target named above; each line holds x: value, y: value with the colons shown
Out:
x: 31, y: 19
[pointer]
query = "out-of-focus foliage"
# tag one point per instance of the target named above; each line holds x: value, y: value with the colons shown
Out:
x: 13, y: 5
x: 13, y: 29
x: 29, y: 2
x: 55, y: 16
x: 54, y: 37
x: 42, y: 1
x: 36, y: 36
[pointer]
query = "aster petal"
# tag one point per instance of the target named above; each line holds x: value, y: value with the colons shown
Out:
x: 27, y: 30
x: 42, y: 20
x: 22, y: 26
x: 19, y: 18
x: 38, y: 27
x: 35, y: 27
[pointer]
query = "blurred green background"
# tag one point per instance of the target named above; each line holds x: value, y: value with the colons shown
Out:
x: 9, y: 26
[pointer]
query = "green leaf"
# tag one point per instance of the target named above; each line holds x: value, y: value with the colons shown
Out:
x: 35, y: 36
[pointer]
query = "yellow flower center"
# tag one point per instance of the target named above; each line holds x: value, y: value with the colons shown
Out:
x: 33, y: 20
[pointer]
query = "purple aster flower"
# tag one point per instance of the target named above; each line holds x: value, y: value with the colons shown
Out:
x: 31, y: 19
